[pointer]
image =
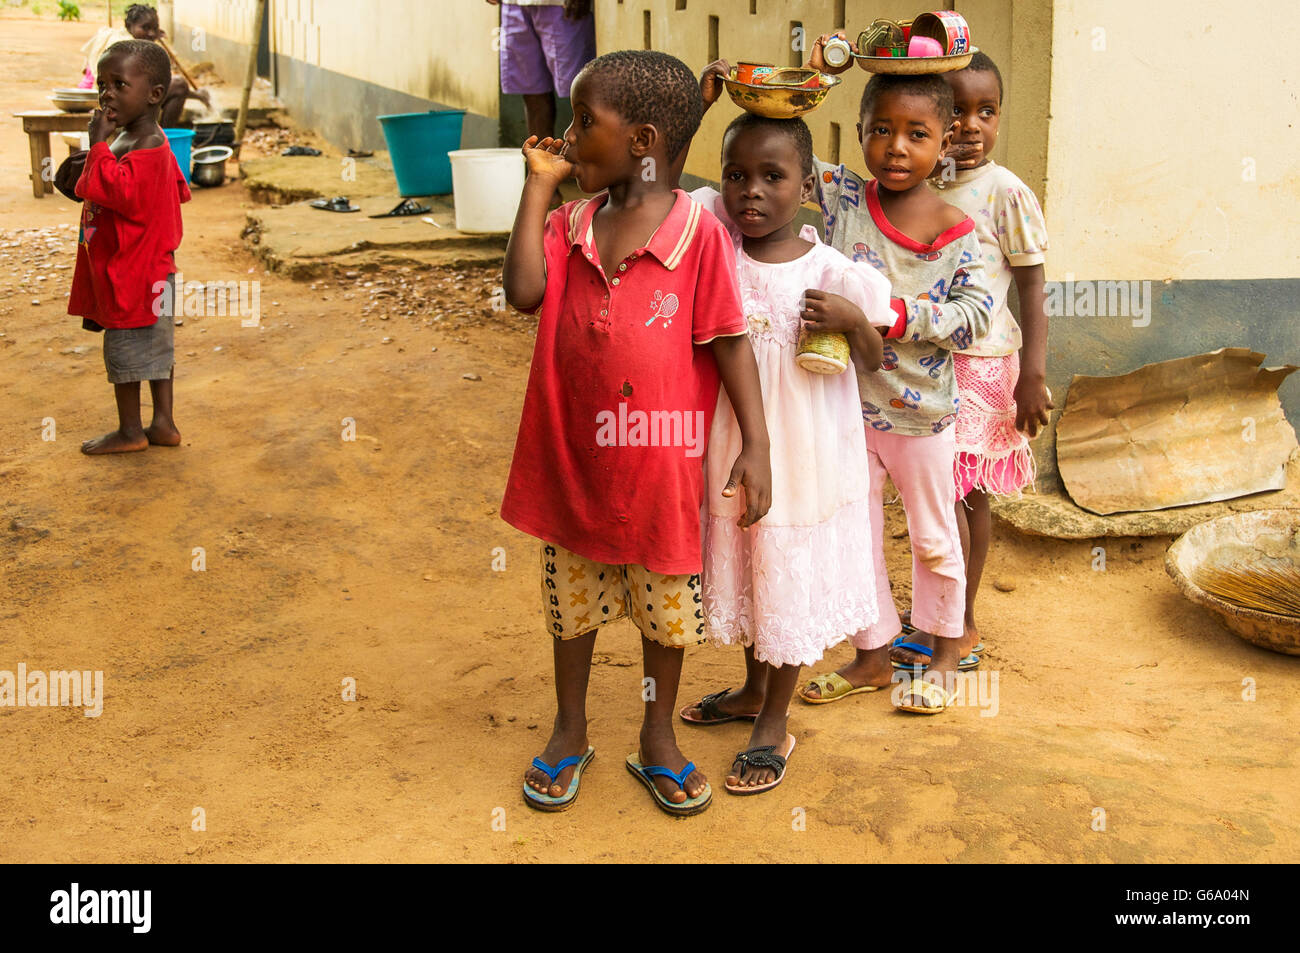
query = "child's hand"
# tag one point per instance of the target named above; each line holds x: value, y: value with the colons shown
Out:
x: 753, y: 471
x: 823, y: 311
x: 815, y: 60
x: 101, y: 127
x: 1032, y: 404
x: 711, y: 81
x: 546, y: 159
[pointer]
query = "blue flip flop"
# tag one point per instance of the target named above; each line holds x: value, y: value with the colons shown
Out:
x: 913, y: 647
x: 544, y: 802
x: 646, y: 776
x: 968, y: 664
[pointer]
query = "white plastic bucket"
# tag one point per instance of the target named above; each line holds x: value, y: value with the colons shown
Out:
x: 487, y: 184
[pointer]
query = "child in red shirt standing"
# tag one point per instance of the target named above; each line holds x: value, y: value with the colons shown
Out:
x: 130, y: 228
x: 640, y: 318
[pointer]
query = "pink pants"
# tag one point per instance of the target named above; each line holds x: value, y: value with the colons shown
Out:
x: 921, y: 468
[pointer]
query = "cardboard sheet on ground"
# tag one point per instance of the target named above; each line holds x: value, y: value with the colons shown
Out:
x: 1192, y: 430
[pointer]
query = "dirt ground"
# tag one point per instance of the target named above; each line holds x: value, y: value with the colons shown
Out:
x: 373, y: 560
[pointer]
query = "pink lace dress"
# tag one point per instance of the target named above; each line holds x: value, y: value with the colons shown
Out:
x: 800, y: 580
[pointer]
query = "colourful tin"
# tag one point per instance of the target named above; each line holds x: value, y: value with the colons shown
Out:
x: 948, y: 27
x: 750, y: 72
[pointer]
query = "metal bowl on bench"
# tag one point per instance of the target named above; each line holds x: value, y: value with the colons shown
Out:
x: 1263, y: 541
x: 74, y: 101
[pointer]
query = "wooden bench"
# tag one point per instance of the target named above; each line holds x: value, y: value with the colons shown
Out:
x: 38, y: 124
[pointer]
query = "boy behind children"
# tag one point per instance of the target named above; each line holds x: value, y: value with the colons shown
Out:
x: 130, y: 229
x: 640, y: 308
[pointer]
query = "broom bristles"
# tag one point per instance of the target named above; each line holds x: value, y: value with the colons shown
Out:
x: 1264, y: 588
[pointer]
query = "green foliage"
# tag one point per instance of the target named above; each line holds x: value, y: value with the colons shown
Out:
x: 69, y: 10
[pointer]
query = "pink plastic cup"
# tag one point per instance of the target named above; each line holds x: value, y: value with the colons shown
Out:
x: 924, y: 46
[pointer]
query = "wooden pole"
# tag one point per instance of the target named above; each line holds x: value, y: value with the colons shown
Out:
x: 250, y: 75
x: 184, y: 72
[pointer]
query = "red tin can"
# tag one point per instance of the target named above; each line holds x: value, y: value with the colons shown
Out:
x: 948, y: 27
x: 747, y: 72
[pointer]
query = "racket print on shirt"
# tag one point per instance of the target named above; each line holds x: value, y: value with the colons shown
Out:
x: 664, y: 307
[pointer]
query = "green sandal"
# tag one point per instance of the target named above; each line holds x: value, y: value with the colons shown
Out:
x: 833, y: 687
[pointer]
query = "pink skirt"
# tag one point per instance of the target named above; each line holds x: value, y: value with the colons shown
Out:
x: 992, y: 455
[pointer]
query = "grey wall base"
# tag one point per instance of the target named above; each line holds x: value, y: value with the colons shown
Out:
x: 1186, y: 318
x: 341, y: 108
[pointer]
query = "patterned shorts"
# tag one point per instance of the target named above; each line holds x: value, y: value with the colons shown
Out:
x: 579, y: 595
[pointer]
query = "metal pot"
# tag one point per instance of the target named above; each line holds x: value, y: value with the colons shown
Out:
x: 210, y: 166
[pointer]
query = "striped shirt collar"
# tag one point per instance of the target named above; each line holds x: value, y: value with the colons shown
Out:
x: 669, y: 242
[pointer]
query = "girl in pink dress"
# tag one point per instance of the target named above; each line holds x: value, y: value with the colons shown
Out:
x: 801, y: 581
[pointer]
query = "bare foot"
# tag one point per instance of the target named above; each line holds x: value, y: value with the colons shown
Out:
x: 867, y: 668
x: 660, y: 748
x: 116, y: 442
x: 565, y: 741
x: 970, y: 637
x: 163, y: 435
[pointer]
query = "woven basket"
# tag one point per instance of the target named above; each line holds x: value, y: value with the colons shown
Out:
x: 1261, y: 534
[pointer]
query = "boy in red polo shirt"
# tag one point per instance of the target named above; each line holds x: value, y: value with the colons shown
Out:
x: 130, y: 228
x: 640, y: 318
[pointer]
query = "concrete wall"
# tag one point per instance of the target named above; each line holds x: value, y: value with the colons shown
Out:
x: 1172, y: 161
x: 337, y: 68
x: 766, y: 31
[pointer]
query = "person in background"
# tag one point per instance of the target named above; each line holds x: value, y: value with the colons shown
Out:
x: 141, y: 23
x: 544, y: 43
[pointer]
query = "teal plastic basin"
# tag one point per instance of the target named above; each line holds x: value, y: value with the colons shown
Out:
x: 418, y: 144
x: 181, y: 141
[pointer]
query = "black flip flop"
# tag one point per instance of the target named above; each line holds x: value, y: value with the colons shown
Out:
x: 300, y: 151
x: 404, y: 207
x: 764, y: 756
x: 708, y: 706
x: 340, y: 203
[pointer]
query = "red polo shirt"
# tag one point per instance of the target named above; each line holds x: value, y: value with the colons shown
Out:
x: 608, y: 460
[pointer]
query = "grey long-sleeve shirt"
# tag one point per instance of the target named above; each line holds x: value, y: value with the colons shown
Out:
x: 946, y: 304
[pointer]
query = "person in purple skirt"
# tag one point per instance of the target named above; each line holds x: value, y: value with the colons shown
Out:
x: 544, y: 43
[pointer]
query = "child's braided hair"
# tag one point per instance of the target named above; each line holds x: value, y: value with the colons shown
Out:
x: 138, y: 13
x: 795, y: 129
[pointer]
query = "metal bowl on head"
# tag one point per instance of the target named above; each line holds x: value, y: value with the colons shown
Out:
x: 1261, y: 537
x: 914, y: 65
x: 777, y: 101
